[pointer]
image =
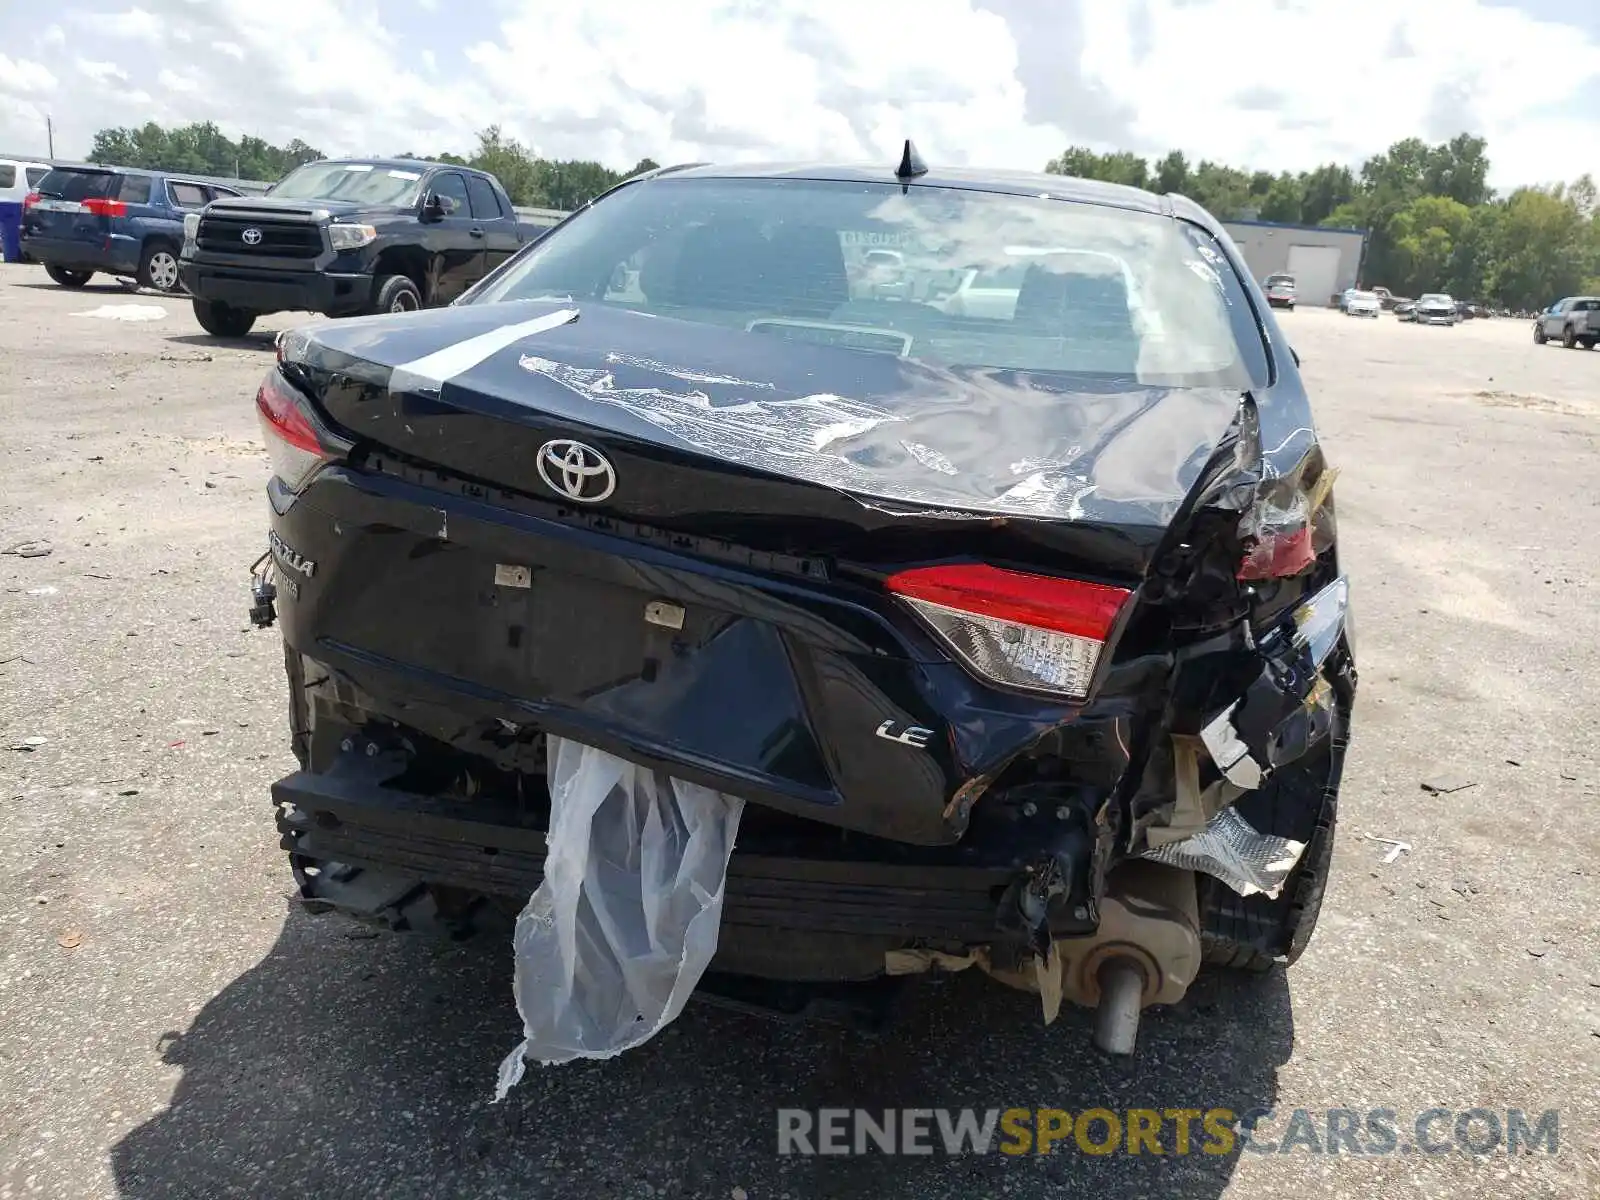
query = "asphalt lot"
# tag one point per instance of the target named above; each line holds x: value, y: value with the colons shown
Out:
x: 173, y: 1027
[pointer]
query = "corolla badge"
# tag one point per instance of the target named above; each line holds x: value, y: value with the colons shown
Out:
x: 576, y: 471
x: 251, y: 237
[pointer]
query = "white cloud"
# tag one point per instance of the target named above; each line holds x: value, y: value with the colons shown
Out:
x: 100, y: 72
x: 1459, y: 66
x: 133, y: 23
x: 1266, y: 84
x: 19, y: 77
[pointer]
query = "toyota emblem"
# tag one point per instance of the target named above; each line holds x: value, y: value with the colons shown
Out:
x: 251, y: 237
x: 576, y: 471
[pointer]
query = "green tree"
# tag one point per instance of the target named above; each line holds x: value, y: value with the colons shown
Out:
x: 200, y: 148
x: 1172, y: 173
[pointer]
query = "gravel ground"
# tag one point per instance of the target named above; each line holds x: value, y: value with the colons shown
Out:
x: 174, y: 1028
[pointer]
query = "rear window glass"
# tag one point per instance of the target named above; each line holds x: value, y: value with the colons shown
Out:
x: 186, y: 195
x: 78, y: 185
x: 485, y: 204
x: 135, y: 189
x: 35, y: 174
x: 8, y: 175
x: 1065, y: 287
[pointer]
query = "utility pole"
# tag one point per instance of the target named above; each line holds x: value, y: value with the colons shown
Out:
x: 50, y: 134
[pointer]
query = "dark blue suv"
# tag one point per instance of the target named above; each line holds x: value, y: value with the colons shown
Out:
x: 115, y: 220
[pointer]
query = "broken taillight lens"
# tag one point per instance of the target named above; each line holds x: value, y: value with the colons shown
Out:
x: 1280, y: 531
x: 296, y: 451
x: 1018, y: 630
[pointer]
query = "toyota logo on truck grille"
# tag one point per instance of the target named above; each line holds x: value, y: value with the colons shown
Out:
x: 576, y: 471
x: 251, y: 237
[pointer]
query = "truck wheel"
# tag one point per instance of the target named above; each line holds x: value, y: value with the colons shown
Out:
x: 66, y: 278
x: 223, y: 320
x: 158, y: 267
x: 396, y: 294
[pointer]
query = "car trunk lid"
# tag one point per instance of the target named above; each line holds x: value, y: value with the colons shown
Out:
x: 783, y: 445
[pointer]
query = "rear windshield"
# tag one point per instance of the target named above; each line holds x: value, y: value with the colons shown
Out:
x: 1275, y: 280
x: 1067, y: 288
x: 360, y: 183
x: 35, y: 174
x: 66, y: 184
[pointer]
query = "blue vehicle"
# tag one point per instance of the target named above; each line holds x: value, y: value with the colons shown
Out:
x: 84, y: 220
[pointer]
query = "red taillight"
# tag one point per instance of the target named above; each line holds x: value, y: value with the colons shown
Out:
x: 1015, y: 629
x: 29, y: 201
x: 296, y: 450
x: 105, y: 208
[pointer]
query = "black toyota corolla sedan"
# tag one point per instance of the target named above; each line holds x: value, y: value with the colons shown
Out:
x: 996, y: 577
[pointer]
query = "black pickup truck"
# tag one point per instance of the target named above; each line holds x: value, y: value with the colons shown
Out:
x: 342, y: 237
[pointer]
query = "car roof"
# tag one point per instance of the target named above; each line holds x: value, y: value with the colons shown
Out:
x: 395, y: 164
x: 972, y: 179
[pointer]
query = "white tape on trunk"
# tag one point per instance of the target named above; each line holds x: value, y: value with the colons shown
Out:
x: 429, y: 373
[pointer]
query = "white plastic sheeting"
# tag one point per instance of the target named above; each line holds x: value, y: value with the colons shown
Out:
x: 617, y: 935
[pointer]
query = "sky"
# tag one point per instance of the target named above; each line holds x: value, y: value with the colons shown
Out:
x: 1260, y: 84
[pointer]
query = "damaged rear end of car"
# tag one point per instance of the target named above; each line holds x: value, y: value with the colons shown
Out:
x: 1020, y: 641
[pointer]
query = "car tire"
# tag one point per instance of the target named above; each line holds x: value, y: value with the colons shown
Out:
x: 396, y: 294
x: 68, y: 278
x: 1569, y: 339
x: 223, y: 320
x: 158, y: 268
x: 1539, y: 337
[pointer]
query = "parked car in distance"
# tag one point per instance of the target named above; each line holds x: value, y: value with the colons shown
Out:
x: 18, y: 177
x: 348, y: 236
x: 1386, y: 298
x: 1574, y: 321
x: 1405, y: 310
x: 556, y: 515
x: 1436, y: 308
x: 86, y: 220
x: 1361, y: 304
x: 1280, y: 291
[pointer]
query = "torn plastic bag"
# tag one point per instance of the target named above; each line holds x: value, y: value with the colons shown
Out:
x: 1230, y: 849
x: 616, y: 937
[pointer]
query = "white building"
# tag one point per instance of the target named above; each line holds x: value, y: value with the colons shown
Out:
x: 1324, y: 262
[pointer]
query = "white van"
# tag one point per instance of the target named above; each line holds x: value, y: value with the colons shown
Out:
x: 18, y: 177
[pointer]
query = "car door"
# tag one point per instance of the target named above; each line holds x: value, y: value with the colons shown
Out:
x: 456, y: 254
x: 1552, y: 318
x: 493, y: 223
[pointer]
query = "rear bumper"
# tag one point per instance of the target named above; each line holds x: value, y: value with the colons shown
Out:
x: 378, y: 853
x: 115, y: 255
x: 263, y: 290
